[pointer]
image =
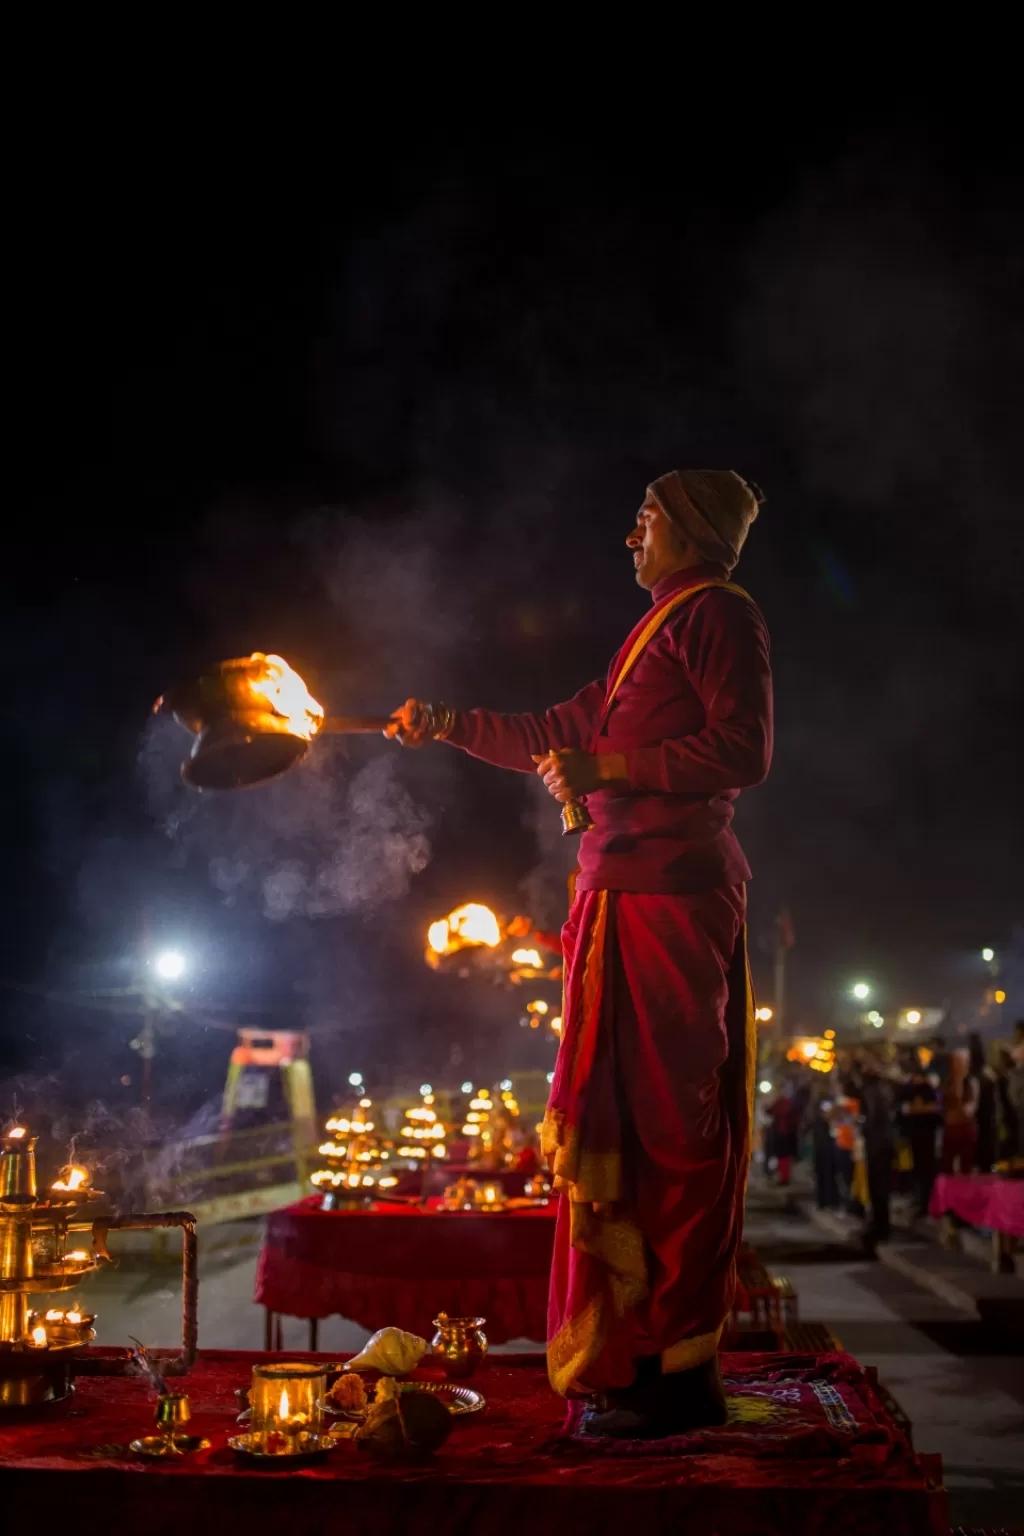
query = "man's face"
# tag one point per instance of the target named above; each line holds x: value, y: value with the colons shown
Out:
x: 657, y: 546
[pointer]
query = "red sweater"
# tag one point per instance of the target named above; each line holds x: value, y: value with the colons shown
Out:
x: 693, y: 720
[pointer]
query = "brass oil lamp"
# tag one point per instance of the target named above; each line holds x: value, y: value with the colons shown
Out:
x: 253, y: 718
x: 38, y: 1256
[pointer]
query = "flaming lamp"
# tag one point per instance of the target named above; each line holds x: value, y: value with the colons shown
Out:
x: 286, y: 1416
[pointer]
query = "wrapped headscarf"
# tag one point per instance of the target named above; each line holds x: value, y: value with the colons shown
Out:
x: 713, y: 508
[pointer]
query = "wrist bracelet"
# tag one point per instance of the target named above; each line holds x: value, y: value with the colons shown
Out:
x: 442, y: 718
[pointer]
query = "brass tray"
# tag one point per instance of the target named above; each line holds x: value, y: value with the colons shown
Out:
x: 156, y: 1445
x: 459, y: 1401
x: 244, y: 1446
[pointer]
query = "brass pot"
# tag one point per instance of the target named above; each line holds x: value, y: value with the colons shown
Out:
x: 242, y: 738
x: 459, y: 1344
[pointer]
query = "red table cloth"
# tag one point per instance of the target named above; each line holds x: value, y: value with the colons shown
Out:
x: 810, y: 1448
x: 401, y: 1266
x: 982, y: 1200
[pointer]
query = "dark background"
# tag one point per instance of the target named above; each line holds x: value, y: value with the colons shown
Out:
x: 394, y: 423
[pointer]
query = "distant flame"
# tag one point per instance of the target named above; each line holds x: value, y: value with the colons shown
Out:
x: 529, y: 957
x: 471, y: 924
x: 283, y: 688
x: 284, y: 1407
x: 39, y: 1336
x: 71, y: 1178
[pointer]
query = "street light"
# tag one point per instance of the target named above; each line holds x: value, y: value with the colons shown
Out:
x: 356, y: 1079
x: 988, y: 955
x: 170, y: 964
x: 861, y: 991
x: 913, y: 1015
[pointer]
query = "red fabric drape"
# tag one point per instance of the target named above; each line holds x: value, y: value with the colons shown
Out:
x: 810, y: 1448
x: 648, y: 1121
x: 403, y: 1266
x: 982, y: 1200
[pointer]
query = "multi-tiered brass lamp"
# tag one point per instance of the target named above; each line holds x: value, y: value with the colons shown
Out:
x: 38, y: 1256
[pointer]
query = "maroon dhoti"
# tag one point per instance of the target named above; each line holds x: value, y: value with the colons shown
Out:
x: 648, y: 1132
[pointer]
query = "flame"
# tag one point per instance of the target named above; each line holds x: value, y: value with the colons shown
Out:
x: 39, y: 1336
x: 76, y: 1256
x: 72, y: 1178
x: 437, y: 938
x: 388, y: 1183
x: 471, y: 924
x: 527, y: 957
x: 74, y: 1317
x: 54, y: 1316
x: 286, y: 693
x: 284, y: 1407
x: 17, y: 1132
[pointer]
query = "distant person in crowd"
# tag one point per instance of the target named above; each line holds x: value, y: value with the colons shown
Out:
x: 1016, y: 1085
x: 843, y: 1119
x: 826, y: 1190
x: 919, y: 1120
x: 959, y: 1096
x: 786, y: 1124
x: 1006, y: 1113
x: 877, y: 1106
x: 941, y: 1064
x: 984, y: 1078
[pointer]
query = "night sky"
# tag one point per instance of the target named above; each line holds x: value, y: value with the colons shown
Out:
x: 396, y: 428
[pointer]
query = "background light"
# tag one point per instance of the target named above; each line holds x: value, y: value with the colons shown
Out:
x: 1000, y: 997
x: 861, y: 991
x: 913, y: 1015
x: 170, y: 965
x: 763, y: 1014
x: 356, y: 1079
x: 467, y: 1087
x: 426, y: 1088
x: 765, y: 1086
x: 988, y: 955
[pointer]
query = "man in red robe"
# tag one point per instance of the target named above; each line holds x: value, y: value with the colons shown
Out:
x: 648, y: 1124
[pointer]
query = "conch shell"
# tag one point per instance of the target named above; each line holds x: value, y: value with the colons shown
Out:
x: 391, y: 1351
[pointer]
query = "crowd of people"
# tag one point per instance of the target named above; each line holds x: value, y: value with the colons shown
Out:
x: 889, y: 1119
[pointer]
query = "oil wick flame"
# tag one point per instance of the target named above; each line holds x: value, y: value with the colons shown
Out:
x: 283, y: 689
x: 71, y: 1178
x: 284, y: 1407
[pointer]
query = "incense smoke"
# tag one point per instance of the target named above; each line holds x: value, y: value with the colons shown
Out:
x: 314, y: 843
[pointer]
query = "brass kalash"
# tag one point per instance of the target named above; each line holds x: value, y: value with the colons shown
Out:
x: 38, y: 1256
x: 253, y: 718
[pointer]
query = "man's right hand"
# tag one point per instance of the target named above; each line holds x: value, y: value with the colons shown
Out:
x: 416, y: 723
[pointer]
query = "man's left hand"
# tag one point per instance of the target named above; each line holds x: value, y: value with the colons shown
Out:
x: 570, y: 773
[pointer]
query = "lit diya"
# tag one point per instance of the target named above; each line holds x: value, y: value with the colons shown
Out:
x: 253, y: 718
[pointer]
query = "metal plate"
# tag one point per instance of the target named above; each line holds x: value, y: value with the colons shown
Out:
x: 459, y: 1401
x: 244, y: 1446
x: 156, y: 1445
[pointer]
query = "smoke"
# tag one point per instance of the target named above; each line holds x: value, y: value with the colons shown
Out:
x: 315, y: 843
x: 545, y: 886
